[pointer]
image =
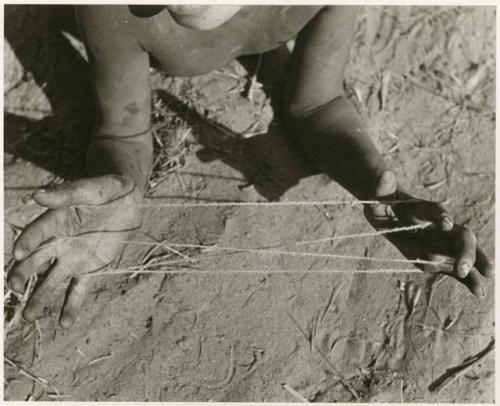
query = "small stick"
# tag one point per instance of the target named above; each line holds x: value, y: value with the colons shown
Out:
x: 333, y: 296
x: 148, y: 254
x: 453, y: 373
x: 29, y: 375
x: 452, y: 321
x: 294, y: 393
x: 94, y: 361
x: 56, y: 396
x: 386, y: 78
x: 169, y: 248
x: 145, y: 260
x: 251, y: 296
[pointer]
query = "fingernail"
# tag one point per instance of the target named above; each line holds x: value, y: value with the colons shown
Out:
x: 66, y: 321
x: 16, y: 283
x: 448, y: 223
x: 389, y: 211
x: 464, y: 269
x: 489, y: 269
x: 31, y: 312
x: 27, y: 198
x: 19, y: 254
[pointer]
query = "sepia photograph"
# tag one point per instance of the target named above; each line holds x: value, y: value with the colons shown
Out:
x: 249, y: 203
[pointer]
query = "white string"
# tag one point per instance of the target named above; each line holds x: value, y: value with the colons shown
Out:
x: 367, y: 234
x: 250, y: 271
x: 263, y: 203
x: 280, y: 252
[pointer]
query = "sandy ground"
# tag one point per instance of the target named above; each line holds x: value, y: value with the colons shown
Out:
x: 423, y: 78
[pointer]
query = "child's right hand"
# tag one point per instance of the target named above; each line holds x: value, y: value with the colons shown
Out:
x: 452, y: 246
x: 44, y: 246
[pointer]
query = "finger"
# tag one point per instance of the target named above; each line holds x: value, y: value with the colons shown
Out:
x: 381, y: 211
x: 482, y: 264
x: 92, y: 191
x: 442, y: 264
x: 465, y: 245
x: 44, y: 293
x: 473, y: 283
x: 38, y: 231
x: 434, y: 212
x: 38, y: 262
x: 64, y: 223
x: 387, y: 184
x: 74, y: 300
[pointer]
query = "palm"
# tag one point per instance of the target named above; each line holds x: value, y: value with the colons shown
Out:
x: 83, y: 231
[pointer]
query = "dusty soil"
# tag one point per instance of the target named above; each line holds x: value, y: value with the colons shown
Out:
x: 424, y: 79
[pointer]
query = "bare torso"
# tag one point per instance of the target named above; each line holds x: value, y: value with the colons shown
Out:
x: 180, y: 51
x: 124, y: 41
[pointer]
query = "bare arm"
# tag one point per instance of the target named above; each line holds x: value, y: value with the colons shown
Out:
x: 87, y: 221
x: 329, y: 131
x: 121, y: 141
x: 323, y: 122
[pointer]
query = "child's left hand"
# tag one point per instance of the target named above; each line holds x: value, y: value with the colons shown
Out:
x: 443, y: 241
x: 85, y: 228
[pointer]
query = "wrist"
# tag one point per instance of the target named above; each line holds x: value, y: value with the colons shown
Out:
x: 334, y: 139
x: 129, y: 157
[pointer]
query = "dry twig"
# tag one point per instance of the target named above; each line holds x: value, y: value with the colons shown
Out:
x: 453, y: 373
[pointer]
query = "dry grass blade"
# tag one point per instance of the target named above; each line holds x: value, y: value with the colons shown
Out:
x: 55, y: 396
x: 386, y: 78
x: 253, y: 81
x: 96, y: 360
x: 295, y: 394
x: 337, y: 374
x: 172, y: 144
x: 29, y: 375
x: 331, y: 301
x: 19, y: 311
x: 442, y: 330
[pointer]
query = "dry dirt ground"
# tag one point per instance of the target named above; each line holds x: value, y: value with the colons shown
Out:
x: 424, y: 79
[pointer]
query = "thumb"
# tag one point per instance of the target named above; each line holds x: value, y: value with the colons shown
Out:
x: 93, y: 191
x: 387, y: 184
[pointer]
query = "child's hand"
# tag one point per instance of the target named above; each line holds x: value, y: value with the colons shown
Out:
x: 442, y: 241
x: 44, y: 246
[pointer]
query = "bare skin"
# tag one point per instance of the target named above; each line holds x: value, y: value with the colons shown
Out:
x: 182, y: 40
